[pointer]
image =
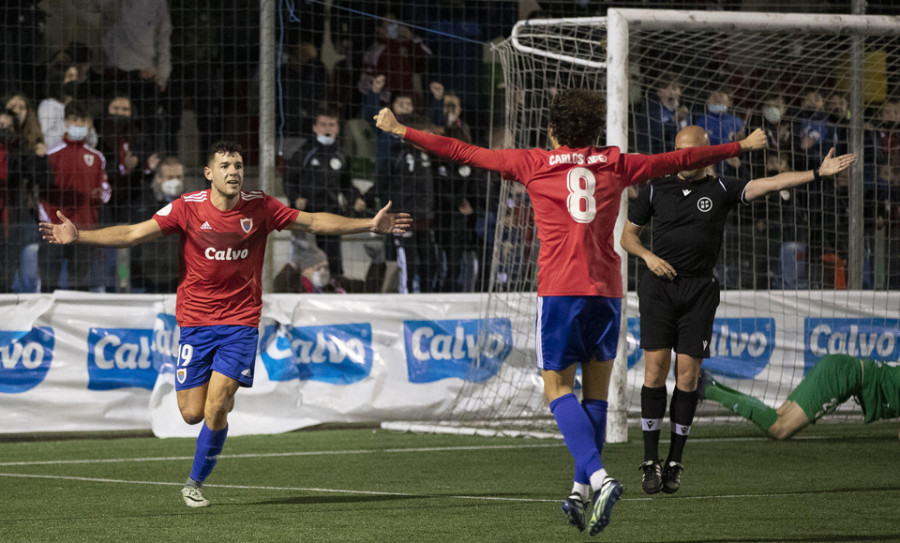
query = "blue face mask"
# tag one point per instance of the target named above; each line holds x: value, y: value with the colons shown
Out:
x: 77, y: 133
x: 325, y: 140
x: 717, y: 109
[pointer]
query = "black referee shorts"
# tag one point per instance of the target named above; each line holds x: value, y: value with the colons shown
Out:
x: 678, y: 314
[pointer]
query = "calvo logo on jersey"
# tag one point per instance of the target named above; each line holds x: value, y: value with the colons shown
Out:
x: 470, y: 349
x: 25, y: 358
x: 340, y: 354
x: 120, y: 358
x: 863, y: 338
x: 741, y: 347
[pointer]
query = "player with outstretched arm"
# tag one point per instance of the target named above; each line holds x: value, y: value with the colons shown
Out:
x: 575, y: 190
x: 223, y: 240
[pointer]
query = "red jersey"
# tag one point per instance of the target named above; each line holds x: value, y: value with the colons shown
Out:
x: 79, y: 184
x: 222, y: 255
x: 575, y: 195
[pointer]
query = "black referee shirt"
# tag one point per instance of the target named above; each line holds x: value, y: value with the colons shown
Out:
x: 688, y: 218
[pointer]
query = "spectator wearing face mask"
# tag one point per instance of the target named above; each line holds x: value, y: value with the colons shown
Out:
x: 318, y: 178
x: 398, y: 54
x: 27, y: 124
x: 68, y: 79
x: 812, y: 130
x: 723, y: 126
x: 307, y: 273
x: 445, y: 110
x: 126, y: 151
x: 154, y: 264
x: 771, y: 116
x: 78, y: 188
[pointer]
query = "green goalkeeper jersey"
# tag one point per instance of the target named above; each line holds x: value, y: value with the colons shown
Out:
x: 880, y: 395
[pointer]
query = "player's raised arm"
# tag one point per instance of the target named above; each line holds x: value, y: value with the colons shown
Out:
x: 334, y: 225
x: 830, y: 166
x: 127, y: 235
x: 507, y: 162
x: 755, y: 141
x: 638, y: 168
x: 385, y: 120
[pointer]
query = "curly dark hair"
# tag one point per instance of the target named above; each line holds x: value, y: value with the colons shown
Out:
x: 224, y: 147
x: 577, y: 117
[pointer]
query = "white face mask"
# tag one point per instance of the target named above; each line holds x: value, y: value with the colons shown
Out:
x: 320, y: 279
x: 393, y: 30
x: 77, y: 133
x: 717, y: 108
x: 325, y: 140
x: 171, y: 188
x: 451, y: 118
x: 772, y: 114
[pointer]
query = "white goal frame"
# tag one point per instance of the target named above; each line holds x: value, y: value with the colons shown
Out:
x: 619, y: 23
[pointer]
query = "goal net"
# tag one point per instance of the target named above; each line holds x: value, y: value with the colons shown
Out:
x: 804, y: 272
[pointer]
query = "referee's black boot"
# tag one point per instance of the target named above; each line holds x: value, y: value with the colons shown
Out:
x: 651, y: 476
x: 671, y: 477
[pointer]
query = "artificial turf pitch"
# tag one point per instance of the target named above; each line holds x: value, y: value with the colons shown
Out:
x: 834, y: 483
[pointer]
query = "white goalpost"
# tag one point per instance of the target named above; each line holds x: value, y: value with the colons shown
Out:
x: 806, y: 272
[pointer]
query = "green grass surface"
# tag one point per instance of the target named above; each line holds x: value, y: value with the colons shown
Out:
x: 837, y: 483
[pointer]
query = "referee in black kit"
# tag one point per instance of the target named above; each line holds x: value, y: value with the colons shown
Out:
x: 678, y: 294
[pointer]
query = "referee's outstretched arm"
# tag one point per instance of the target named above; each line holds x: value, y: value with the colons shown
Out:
x: 830, y: 166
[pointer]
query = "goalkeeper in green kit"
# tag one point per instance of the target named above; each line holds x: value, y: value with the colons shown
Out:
x: 833, y: 380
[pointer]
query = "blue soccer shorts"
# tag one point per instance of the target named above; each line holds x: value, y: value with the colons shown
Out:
x: 574, y: 329
x: 229, y: 350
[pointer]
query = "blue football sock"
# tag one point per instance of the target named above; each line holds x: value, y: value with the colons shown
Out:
x: 209, y: 445
x: 578, y: 433
x: 596, y: 411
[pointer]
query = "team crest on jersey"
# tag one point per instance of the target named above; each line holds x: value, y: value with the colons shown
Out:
x: 246, y: 224
x: 89, y: 159
x: 335, y: 163
x: 181, y: 374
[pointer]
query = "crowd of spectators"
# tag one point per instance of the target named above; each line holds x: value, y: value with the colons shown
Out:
x: 94, y: 128
x: 796, y: 238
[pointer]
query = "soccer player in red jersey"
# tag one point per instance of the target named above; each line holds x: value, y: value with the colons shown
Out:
x: 223, y: 239
x: 575, y: 190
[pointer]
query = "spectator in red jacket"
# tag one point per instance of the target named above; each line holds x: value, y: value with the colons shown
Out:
x: 78, y: 188
x: 398, y: 54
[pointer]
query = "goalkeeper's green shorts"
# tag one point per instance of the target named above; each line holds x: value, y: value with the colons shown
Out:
x: 831, y: 382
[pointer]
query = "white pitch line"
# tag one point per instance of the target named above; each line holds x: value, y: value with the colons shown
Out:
x: 363, y: 451
x: 383, y: 493
x: 279, y: 488
x: 285, y: 454
x: 357, y: 451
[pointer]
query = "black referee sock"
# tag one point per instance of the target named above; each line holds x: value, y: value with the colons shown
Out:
x: 681, y: 411
x: 653, y: 409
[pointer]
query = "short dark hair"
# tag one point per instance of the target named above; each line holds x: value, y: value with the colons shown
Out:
x: 224, y: 147
x: 577, y: 117
x: 327, y: 110
x: 168, y: 160
x: 77, y: 109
